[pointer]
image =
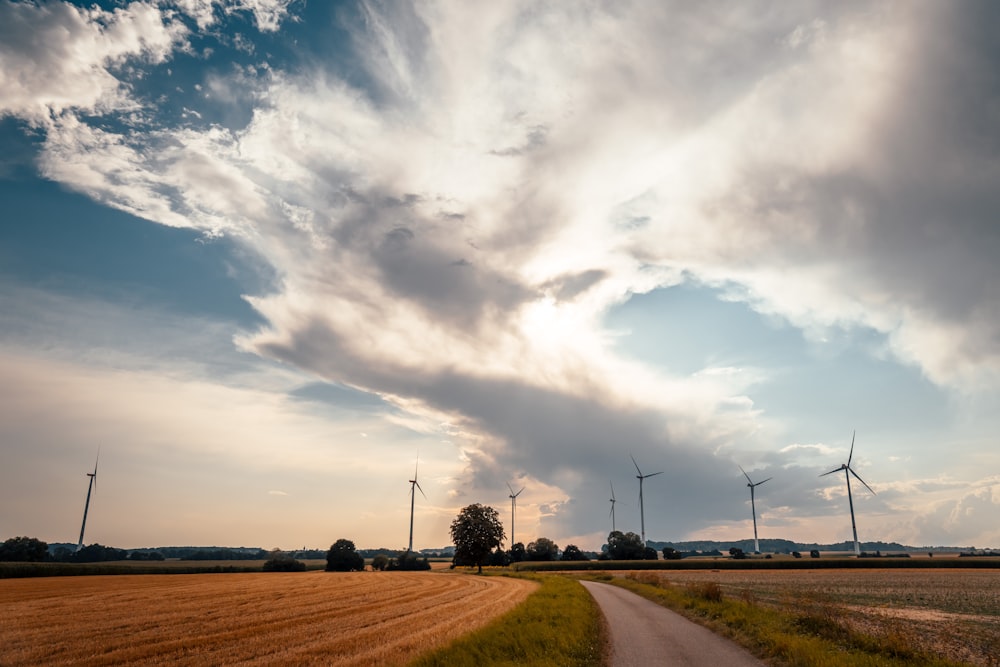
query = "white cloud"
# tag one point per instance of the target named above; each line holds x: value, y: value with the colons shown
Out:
x: 55, y: 57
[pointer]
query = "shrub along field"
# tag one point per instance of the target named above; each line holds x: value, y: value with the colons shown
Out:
x: 357, y: 618
x: 866, y: 617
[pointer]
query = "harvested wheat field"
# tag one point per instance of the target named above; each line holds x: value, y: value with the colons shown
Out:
x: 357, y: 618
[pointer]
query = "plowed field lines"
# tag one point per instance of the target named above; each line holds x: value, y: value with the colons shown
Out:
x: 358, y: 618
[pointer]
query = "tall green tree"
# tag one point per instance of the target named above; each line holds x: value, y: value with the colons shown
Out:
x: 476, y: 532
x: 343, y: 557
x: 25, y: 549
x: 625, y: 546
x: 543, y: 549
x: 572, y: 552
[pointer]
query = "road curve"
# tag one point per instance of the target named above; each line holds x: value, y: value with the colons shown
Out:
x: 644, y: 633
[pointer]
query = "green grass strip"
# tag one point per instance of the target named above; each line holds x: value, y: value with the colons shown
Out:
x: 558, y: 625
x: 810, y: 635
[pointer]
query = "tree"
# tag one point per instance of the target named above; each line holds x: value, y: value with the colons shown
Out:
x: 737, y: 554
x: 517, y: 553
x: 572, y: 552
x: 543, y: 549
x: 380, y: 562
x: 279, y: 561
x: 342, y: 557
x: 407, y: 560
x: 97, y: 553
x: 476, y: 532
x: 625, y: 546
x: 499, y: 558
x: 24, y: 549
x: 669, y: 553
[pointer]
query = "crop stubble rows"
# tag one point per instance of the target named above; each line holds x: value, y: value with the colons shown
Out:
x: 359, y: 618
x: 954, y: 613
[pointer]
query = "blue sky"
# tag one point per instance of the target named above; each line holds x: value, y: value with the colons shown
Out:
x: 265, y: 254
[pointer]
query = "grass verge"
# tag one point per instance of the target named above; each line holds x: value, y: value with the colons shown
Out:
x: 558, y: 625
x: 809, y: 633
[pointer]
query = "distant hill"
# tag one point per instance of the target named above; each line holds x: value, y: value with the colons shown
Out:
x: 772, y: 545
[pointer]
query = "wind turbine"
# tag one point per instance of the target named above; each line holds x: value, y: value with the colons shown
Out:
x: 848, y: 471
x: 753, y: 508
x: 612, y: 514
x: 90, y: 486
x: 642, y: 511
x: 513, y: 504
x: 414, y: 484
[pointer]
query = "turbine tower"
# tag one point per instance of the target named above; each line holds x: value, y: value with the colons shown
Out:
x: 642, y: 511
x: 753, y: 508
x: 612, y: 514
x: 848, y: 471
x: 90, y: 486
x: 414, y: 484
x: 513, y: 504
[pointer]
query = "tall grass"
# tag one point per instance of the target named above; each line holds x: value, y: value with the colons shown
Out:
x: 558, y: 625
x: 808, y: 633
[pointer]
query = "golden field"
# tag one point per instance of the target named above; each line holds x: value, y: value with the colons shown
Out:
x: 954, y: 613
x: 356, y: 618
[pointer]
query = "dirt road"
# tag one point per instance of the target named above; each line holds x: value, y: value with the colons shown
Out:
x: 644, y: 633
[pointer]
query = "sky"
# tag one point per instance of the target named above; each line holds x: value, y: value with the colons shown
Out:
x: 266, y: 257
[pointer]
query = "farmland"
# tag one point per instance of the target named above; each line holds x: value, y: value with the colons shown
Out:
x: 358, y: 618
x: 953, y: 613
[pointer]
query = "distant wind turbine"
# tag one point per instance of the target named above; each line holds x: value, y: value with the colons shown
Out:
x: 612, y: 515
x: 848, y: 471
x: 753, y: 508
x: 642, y: 511
x: 90, y: 486
x: 513, y: 504
x: 414, y: 484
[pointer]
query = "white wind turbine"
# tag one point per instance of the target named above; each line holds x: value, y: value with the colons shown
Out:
x: 612, y: 514
x: 642, y: 511
x: 414, y: 484
x: 513, y: 504
x: 753, y: 508
x: 90, y: 486
x: 848, y: 471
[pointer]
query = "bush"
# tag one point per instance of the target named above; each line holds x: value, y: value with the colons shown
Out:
x: 408, y: 561
x: 282, y: 562
x: 380, y: 562
x: 343, y: 557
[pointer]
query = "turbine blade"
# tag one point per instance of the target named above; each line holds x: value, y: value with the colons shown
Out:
x: 766, y: 480
x: 654, y: 474
x: 831, y: 472
x: 519, y: 492
x: 858, y: 477
x: 745, y: 473
x: 510, y: 489
x: 612, y: 491
x: 635, y: 464
x: 417, y: 484
x: 853, y: 433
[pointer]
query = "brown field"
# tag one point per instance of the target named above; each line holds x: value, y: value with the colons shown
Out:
x: 357, y: 618
x: 950, y: 612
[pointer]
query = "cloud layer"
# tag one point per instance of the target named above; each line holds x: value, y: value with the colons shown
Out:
x: 451, y: 220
